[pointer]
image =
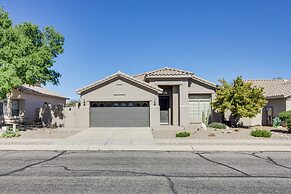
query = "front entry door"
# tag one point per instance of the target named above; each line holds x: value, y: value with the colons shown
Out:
x: 164, y: 102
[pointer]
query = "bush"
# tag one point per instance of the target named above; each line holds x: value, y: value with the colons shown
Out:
x: 261, y: 133
x: 217, y: 125
x: 288, y: 124
x: 10, y: 133
x: 183, y: 134
x: 286, y: 115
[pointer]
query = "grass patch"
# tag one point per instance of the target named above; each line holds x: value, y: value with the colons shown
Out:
x: 183, y: 134
x: 261, y: 133
x: 217, y: 125
x: 10, y: 133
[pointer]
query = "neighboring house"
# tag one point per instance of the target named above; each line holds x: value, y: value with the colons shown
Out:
x: 165, y: 96
x: 23, y: 104
x: 278, y: 95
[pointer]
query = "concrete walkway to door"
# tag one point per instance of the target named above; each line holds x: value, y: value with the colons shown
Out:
x: 112, y: 136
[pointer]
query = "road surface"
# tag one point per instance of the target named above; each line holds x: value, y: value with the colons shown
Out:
x: 144, y: 172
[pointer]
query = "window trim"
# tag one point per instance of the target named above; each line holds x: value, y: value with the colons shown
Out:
x: 17, y: 110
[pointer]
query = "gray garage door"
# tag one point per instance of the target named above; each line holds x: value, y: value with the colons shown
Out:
x: 120, y: 116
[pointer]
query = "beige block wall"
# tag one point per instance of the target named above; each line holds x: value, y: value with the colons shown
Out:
x: 76, y: 117
x: 248, y: 122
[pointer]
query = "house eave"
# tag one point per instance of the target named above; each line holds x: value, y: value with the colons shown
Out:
x: 119, y: 74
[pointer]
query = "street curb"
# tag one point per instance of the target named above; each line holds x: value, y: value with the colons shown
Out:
x: 228, y: 148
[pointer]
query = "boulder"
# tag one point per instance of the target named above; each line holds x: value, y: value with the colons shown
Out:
x: 203, y: 127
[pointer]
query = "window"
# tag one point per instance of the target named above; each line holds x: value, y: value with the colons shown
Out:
x: 1, y: 108
x: 15, y: 107
x: 96, y: 104
x: 197, y: 105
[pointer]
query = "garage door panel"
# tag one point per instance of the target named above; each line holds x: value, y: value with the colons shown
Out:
x: 119, y: 116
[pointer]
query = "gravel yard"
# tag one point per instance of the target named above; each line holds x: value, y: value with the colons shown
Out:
x: 48, y: 133
x: 231, y: 133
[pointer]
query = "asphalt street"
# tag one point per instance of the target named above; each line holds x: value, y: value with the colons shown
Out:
x: 144, y: 172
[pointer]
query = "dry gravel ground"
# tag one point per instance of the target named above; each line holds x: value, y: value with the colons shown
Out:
x: 231, y: 133
x: 48, y: 133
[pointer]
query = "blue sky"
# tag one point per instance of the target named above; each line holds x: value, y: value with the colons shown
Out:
x: 213, y: 39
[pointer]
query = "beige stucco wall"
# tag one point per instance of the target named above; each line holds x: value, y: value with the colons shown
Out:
x: 248, y: 122
x: 31, y: 102
x: 182, y: 87
x: 199, y: 88
x: 76, y: 117
x: 278, y: 105
x: 120, y: 89
x: 175, y: 105
x: 288, y: 104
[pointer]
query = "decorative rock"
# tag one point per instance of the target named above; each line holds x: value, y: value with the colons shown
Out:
x: 14, y: 127
x: 4, y: 128
x: 203, y: 127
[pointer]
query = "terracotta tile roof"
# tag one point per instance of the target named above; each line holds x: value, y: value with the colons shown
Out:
x: 164, y: 72
x: 276, y: 88
x: 39, y: 90
x: 172, y: 72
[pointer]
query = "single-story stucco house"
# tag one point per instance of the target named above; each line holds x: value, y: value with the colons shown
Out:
x: 165, y: 96
x: 278, y: 95
x: 23, y: 103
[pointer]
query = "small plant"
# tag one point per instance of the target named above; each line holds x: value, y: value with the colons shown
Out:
x: 261, y: 133
x: 288, y: 122
x: 205, y: 118
x: 183, y: 134
x: 211, y: 135
x: 10, y: 133
x: 276, y: 122
x: 217, y: 125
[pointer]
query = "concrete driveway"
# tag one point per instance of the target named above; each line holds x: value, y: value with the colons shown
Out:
x: 112, y: 136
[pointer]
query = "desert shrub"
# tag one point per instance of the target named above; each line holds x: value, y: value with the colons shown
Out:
x: 217, y: 125
x: 10, y: 133
x: 288, y: 122
x: 286, y: 115
x: 261, y: 133
x: 276, y: 122
x: 183, y: 134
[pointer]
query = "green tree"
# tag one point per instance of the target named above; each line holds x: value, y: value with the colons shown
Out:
x: 72, y: 103
x: 240, y: 98
x: 27, y: 54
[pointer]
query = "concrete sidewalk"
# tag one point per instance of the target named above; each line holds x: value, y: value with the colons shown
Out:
x: 111, y: 136
x: 199, y: 142
x: 212, y: 146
